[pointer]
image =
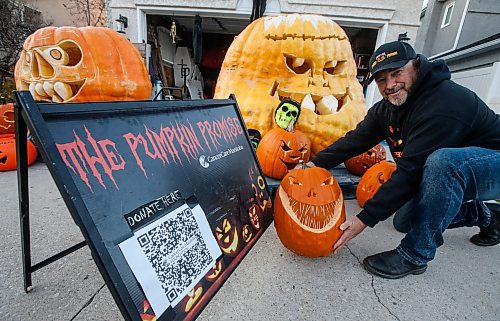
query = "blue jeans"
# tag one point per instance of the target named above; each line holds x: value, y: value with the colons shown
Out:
x: 454, y: 182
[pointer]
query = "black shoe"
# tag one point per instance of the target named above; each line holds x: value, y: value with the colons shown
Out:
x: 489, y: 235
x: 391, y: 265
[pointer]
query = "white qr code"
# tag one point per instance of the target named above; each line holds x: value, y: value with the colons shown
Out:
x: 176, y: 251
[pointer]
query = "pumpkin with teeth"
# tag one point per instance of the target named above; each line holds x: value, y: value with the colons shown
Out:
x: 69, y: 64
x: 308, y: 211
x: 307, y: 58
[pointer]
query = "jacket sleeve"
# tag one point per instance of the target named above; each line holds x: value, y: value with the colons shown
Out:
x: 428, y: 135
x: 367, y: 134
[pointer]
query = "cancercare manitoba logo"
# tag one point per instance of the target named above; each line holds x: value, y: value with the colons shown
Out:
x: 205, y: 160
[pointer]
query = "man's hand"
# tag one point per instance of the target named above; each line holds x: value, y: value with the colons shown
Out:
x: 301, y: 165
x: 351, y: 227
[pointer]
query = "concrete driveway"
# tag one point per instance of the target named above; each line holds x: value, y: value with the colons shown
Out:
x: 462, y: 283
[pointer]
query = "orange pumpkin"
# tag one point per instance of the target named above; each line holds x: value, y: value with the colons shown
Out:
x: 359, y: 164
x: 227, y: 236
x: 69, y: 64
x: 8, y: 160
x: 7, y: 119
x: 371, y: 181
x: 309, y: 209
x: 307, y: 58
x: 280, y: 151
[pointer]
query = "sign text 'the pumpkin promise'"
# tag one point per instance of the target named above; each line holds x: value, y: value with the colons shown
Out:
x: 175, y: 143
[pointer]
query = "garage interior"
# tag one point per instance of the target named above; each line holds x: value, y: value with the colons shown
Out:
x: 200, y: 44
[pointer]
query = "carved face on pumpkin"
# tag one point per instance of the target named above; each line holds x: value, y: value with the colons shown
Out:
x: 214, y: 272
x: 7, y: 119
x: 307, y: 58
x: 371, y: 181
x: 8, y: 161
x: 280, y: 151
x: 309, y: 209
x: 358, y: 165
x: 70, y: 64
x: 192, y: 297
x: 226, y: 234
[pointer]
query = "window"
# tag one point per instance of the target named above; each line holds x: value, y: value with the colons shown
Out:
x: 448, y: 11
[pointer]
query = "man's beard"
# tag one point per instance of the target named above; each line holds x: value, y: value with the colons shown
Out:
x: 399, y: 99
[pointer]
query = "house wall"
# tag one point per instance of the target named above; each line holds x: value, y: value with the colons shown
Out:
x: 52, y: 11
x: 482, y: 21
x: 58, y: 12
x: 434, y: 39
x: 484, y: 82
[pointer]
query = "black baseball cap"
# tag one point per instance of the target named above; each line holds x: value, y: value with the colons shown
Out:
x: 391, y: 55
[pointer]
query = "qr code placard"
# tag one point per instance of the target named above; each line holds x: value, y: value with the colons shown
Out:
x: 177, y: 252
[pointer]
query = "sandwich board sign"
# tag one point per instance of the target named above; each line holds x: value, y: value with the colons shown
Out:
x: 168, y: 194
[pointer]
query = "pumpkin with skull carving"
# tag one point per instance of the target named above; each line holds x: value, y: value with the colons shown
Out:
x: 69, y: 64
x: 308, y: 211
x: 307, y: 58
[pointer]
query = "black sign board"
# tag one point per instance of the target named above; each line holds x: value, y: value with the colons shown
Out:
x: 168, y: 194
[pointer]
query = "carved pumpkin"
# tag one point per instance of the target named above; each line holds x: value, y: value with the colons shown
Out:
x: 261, y: 199
x: 192, y: 298
x: 69, y: 64
x: 307, y: 58
x: 371, y: 181
x: 226, y: 234
x: 148, y: 313
x: 7, y: 119
x: 281, y: 150
x: 8, y: 160
x: 246, y: 233
x: 309, y: 209
x: 214, y: 272
x: 358, y: 165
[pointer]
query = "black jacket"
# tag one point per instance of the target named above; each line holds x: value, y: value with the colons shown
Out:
x: 437, y: 114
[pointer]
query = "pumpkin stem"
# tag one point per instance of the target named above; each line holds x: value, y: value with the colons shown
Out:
x: 290, y: 127
x: 304, y: 164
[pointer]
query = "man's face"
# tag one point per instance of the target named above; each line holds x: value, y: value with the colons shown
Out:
x: 394, y: 85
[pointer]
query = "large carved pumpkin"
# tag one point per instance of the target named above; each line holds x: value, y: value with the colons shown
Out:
x: 371, y: 181
x: 70, y: 64
x: 7, y: 119
x: 8, y: 160
x: 358, y: 165
x: 307, y: 58
x: 281, y: 150
x: 309, y: 209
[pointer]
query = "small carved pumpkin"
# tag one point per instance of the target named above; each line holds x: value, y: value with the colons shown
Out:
x: 359, y: 164
x: 8, y: 160
x: 226, y: 234
x: 246, y: 233
x: 371, y: 181
x: 192, y: 297
x: 281, y: 150
x: 214, y: 272
x: 309, y: 209
x: 307, y: 58
x: 69, y: 64
x: 7, y: 119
